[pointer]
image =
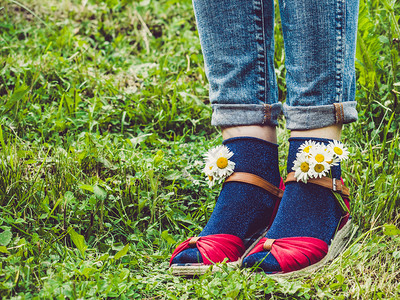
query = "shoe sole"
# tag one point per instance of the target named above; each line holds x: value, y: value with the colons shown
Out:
x: 201, y: 269
x: 338, y: 244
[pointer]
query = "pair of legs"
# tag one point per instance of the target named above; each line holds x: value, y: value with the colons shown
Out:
x: 238, y: 45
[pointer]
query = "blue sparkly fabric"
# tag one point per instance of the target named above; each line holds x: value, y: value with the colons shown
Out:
x: 242, y: 209
x: 305, y: 210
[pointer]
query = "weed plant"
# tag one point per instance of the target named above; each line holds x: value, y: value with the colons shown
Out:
x: 104, y: 119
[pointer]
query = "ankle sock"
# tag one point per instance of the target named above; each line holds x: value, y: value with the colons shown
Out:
x: 306, y: 210
x: 242, y: 209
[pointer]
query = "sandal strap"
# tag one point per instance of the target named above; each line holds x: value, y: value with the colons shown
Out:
x: 293, y: 253
x: 214, y: 248
x: 333, y: 184
x: 255, y: 180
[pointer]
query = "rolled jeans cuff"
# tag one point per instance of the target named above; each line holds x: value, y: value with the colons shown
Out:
x: 312, y: 117
x: 245, y: 114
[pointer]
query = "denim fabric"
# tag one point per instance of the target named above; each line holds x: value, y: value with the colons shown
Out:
x: 238, y: 47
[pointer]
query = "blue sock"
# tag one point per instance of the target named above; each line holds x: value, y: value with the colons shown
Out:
x: 242, y: 209
x: 305, y: 210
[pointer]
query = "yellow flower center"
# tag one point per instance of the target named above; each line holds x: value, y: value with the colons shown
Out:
x: 338, y: 151
x: 319, y: 158
x: 319, y: 168
x: 222, y: 163
x: 210, y: 178
x: 304, y: 167
x: 307, y: 149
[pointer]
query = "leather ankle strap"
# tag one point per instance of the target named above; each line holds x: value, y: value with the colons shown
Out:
x: 255, y: 180
x: 334, y: 184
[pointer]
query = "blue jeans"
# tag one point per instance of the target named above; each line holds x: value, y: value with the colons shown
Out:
x: 237, y: 41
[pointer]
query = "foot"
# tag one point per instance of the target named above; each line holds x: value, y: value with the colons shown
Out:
x: 243, y: 210
x: 306, y: 210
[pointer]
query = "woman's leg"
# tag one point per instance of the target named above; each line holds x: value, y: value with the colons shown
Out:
x: 320, y: 43
x: 320, y: 37
x: 238, y: 47
x: 237, y: 43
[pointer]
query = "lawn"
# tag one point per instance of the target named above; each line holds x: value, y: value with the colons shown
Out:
x: 104, y: 121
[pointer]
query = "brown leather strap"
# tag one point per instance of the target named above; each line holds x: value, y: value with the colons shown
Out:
x: 268, y: 244
x: 333, y: 184
x: 193, y: 241
x: 255, y: 180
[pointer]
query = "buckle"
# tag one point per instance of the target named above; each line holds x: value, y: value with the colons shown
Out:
x: 268, y: 244
x: 193, y: 241
x: 336, y: 185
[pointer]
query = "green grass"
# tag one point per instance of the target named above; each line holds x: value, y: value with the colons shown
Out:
x: 104, y: 119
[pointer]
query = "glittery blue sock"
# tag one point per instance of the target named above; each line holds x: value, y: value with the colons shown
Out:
x: 305, y: 210
x: 242, y: 209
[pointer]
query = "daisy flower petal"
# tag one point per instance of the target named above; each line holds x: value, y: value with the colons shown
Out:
x: 302, y: 167
x: 318, y: 170
x: 307, y: 146
x: 320, y: 154
x: 209, y: 168
x: 218, y: 166
x: 211, y: 181
x: 339, y: 150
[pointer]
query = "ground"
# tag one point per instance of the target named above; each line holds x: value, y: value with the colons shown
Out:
x: 104, y: 121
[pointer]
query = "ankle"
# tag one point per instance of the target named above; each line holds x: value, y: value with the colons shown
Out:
x: 256, y: 156
x: 266, y: 133
x: 331, y: 132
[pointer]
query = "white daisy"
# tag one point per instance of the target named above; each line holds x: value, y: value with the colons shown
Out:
x: 318, y: 170
x: 339, y: 150
x: 224, y: 165
x: 218, y: 165
x: 210, y: 161
x: 314, y: 160
x: 335, y: 160
x: 209, y: 168
x: 307, y: 146
x: 320, y: 154
x: 302, y: 167
x: 210, y: 155
x: 211, y: 181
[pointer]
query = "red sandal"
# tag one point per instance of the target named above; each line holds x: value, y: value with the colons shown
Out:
x: 297, y: 255
x: 227, y: 248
